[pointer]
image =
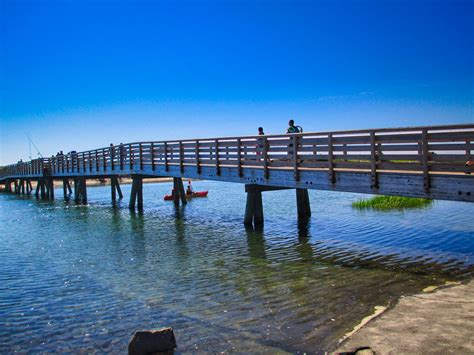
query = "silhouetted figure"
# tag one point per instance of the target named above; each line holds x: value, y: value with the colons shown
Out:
x: 292, y: 128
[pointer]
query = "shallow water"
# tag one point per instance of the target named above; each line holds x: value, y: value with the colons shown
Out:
x: 84, y: 278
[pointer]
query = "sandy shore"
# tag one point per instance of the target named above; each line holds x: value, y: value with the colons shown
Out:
x: 437, y: 321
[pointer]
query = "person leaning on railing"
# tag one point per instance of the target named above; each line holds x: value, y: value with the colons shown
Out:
x: 290, y: 130
x: 260, y: 142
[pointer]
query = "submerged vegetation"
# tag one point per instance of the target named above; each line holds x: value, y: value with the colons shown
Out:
x: 392, y: 203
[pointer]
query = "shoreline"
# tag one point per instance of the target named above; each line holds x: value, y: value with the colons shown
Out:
x: 123, y: 181
x: 438, y: 320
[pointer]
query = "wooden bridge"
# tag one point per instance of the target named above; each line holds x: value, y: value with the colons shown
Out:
x: 427, y: 162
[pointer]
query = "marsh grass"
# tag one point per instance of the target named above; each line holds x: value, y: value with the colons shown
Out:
x: 392, y: 203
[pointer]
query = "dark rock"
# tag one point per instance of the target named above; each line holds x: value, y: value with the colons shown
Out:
x: 152, y: 341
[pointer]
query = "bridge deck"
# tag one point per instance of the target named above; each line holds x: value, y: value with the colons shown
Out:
x: 415, y: 161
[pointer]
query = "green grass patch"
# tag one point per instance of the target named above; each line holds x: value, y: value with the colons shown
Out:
x: 392, y: 203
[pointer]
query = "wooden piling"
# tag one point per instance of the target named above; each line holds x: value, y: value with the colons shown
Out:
x: 38, y: 187
x: 178, y: 191
x: 43, y: 189
x: 115, y: 188
x: 182, y: 193
x: 254, y: 207
x: 302, y: 203
x: 51, y: 189
x: 80, y: 190
x: 65, y: 194
x: 136, y: 195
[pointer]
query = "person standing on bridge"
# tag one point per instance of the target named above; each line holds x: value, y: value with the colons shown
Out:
x: 123, y: 153
x: 112, y: 152
x: 260, y: 141
x: 290, y: 130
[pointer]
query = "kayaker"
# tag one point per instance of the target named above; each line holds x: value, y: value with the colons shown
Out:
x: 189, y: 189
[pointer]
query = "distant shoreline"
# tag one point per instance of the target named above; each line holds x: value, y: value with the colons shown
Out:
x: 122, y: 181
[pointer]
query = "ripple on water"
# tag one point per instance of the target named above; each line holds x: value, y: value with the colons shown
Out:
x: 86, y: 277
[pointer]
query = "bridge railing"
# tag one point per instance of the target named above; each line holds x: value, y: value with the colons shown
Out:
x: 423, y: 150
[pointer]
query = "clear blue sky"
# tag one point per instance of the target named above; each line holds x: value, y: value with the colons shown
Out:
x: 81, y: 74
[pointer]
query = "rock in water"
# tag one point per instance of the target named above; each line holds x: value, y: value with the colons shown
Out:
x: 152, y: 341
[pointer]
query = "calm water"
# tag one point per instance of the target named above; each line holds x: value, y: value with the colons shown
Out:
x: 84, y: 278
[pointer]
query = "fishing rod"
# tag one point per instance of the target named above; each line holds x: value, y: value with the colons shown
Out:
x: 30, y: 142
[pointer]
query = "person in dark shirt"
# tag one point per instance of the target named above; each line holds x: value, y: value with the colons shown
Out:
x: 292, y: 128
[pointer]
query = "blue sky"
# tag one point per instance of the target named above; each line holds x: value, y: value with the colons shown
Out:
x: 81, y: 74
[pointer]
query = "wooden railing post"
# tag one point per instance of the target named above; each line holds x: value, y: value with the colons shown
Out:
x: 90, y: 162
x: 296, y: 174
x: 424, y: 160
x: 104, y: 156
x: 196, y: 153
x: 112, y: 157
x: 468, y: 150
x: 181, y: 157
x: 152, y: 155
x: 96, y: 161
x: 130, y: 155
x: 166, y: 156
x: 265, y: 157
x: 84, y: 163
x: 373, y: 162
x: 239, y: 157
x: 218, y: 169
x: 332, y: 177
x: 140, y: 151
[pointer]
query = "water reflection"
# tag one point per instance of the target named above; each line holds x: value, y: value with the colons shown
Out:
x: 293, y: 286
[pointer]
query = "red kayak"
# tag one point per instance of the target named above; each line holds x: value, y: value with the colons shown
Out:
x: 193, y: 195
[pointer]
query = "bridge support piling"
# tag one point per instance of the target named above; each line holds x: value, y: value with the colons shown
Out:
x: 115, y: 188
x: 65, y: 189
x: 302, y: 203
x: 29, y: 187
x: 136, y: 195
x: 43, y: 188
x: 50, y: 183
x: 179, y: 193
x: 17, y: 189
x: 80, y: 190
x: 254, y: 208
x: 8, y: 186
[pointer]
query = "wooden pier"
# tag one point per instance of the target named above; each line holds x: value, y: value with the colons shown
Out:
x: 428, y: 162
